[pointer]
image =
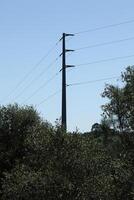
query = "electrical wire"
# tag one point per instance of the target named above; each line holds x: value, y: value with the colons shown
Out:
x: 105, y: 27
x: 49, y: 97
x: 31, y: 71
x: 93, y: 81
x: 105, y: 43
x: 41, y: 87
x: 37, y: 77
x: 105, y: 60
x: 76, y: 84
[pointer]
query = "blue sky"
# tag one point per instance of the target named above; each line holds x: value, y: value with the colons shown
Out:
x: 29, y: 28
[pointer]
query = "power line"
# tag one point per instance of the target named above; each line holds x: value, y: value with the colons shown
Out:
x: 105, y: 43
x: 49, y: 97
x: 105, y: 60
x: 76, y: 84
x: 32, y: 69
x: 37, y: 77
x: 105, y: 27
x: 41, y: 87
x: 93, y: 81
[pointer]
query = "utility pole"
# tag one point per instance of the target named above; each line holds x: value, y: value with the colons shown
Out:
x: 64, y: 115
x: 64, y: 66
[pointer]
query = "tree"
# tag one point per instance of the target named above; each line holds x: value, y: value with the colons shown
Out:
x: 16, y: 123
x: 120, y: 108
x: 128, y: 79
x: 69, y: 166
x: 39, y: 161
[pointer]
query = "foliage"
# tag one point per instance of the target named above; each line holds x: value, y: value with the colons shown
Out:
x: 120, y: 108
x: 39, y: 161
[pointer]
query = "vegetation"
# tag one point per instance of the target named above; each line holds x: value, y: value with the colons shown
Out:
x: 39, y: 161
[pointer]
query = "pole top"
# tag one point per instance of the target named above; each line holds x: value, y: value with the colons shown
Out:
x: 66, y: 35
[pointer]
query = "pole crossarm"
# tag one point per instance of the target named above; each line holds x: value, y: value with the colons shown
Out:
x: 67, y: 66
x: 69, y: 50
x: 66, y: 34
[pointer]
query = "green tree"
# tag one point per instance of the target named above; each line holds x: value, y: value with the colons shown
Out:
x: 120, y: 108
x: 16, y: 123
x: 128, y: 79
x: 39, y: 161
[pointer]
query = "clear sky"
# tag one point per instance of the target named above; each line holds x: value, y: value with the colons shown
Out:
x: 30, y: 28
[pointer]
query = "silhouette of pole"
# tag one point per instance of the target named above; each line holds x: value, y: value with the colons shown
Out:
x: 64, y: 66
x: 64, y: 114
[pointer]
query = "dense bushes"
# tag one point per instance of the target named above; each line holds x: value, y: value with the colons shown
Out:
x: 39, y: 161
x: 57, y: 165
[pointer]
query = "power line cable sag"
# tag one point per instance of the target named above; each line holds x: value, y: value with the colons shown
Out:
x: 37, y: 77
x: 32, y: 69
x: 105, y: 60
x: 105, y: 43
x: 49, y: 97
x: 41, y: 87
x: 76, y: 84
x: 105, y: 27
x: 92, y: 81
